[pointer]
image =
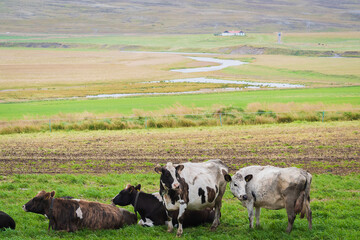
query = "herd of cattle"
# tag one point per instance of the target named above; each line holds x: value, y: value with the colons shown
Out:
x: 190, y: 194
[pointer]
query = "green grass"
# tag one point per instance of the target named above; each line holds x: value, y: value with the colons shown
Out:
x: 210, y: 43
x: 271, y: 73
x: 335, y: 207
x: 343, y: 95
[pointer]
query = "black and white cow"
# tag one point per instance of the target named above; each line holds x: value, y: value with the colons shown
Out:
x: 273, y: 188
x: 6, y: 221
x: 153, y: 211
x: 192, y: 186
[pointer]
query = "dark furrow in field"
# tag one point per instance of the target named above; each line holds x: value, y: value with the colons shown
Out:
x: 319, y: 148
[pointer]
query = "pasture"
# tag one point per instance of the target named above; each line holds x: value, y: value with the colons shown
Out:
x: 321, y: 42
x: 322, y: 99
x: 97, y: 165
x: 334, y: 204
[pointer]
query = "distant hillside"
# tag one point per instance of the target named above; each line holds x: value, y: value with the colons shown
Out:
x: 185, y: 16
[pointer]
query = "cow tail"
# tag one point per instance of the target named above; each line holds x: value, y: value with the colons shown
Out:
x: 306, y: 205
x: 302, y: 204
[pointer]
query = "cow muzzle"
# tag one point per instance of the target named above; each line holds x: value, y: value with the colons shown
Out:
x: 176, y: 186
x: 24, y: 208
x: 243, y: 197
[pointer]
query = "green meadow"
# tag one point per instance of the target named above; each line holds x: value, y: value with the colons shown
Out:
x: 275, y: 73
x: 126, y: 106
x: 340, y: 42
x: 334, y: 203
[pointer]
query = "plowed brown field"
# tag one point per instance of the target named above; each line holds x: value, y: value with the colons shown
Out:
x: 317, y: 147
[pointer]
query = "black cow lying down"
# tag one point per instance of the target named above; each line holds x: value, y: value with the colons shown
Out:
x: 153, y: 211
x: 6, y: 221
x: 73, y: 215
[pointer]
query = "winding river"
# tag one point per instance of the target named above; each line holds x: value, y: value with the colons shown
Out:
x: 223, y: 63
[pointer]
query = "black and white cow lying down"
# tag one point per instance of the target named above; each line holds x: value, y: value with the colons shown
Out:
x: 6, y: 221
x: 73, y: 215
x: 192, y: 186
x: 273, y: 188
x: 153, y: 211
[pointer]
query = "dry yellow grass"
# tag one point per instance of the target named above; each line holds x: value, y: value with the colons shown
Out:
x: 41, y: 68
x: 57, y: 73
x: 299, y: 107
x: 39, y: 74
x: 324, y: 65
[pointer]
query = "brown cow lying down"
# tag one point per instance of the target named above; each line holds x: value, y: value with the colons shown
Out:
x: 72, y: 215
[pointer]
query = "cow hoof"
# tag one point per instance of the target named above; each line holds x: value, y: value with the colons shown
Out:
x: 170, y: 230
x: 213, y: 228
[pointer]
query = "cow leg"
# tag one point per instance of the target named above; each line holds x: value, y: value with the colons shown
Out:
x: 309, y: 214
x: 216, y: 221
x: 181, y: 216
x: 250, y: 208
x: 257, y: 215
x: 170, y: 224
x: 290, y: 210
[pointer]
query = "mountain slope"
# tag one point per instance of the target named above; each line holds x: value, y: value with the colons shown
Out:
x: 186, y: 16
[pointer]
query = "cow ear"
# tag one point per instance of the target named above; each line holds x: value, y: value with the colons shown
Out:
x: 227, y: 178
x: 179, y: 168
x: 158, y: 169
x: 52, y: 194
x: 47, y: 196
x: 138, y: 187
x: 248, y: 177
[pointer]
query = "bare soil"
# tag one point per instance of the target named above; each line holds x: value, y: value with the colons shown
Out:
x: 317, y: 147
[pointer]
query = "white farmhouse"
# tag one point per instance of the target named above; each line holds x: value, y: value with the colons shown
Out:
x: 233, y: 33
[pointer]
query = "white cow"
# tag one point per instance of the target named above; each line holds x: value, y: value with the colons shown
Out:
x: 273, y: 188
x: 192, y: 186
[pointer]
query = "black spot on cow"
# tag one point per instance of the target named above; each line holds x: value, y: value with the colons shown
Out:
x: 201, y: 193
x: 211, y: 194
x: 254, y: 196
x: 174, y: 196
x: 184, y: 187
x: 166, y: 178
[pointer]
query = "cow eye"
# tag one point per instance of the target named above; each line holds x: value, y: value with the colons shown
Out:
x: 235, y: 184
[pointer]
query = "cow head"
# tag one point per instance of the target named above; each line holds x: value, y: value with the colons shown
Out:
x: 126, y: 196
x: 170, y: 175
x: 238, y: 185
x: 39, y: 203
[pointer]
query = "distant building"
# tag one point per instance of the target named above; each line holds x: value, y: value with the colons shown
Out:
x: 231, y: 33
